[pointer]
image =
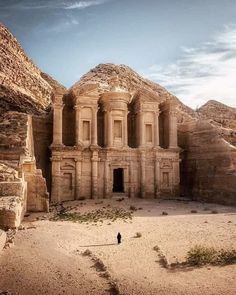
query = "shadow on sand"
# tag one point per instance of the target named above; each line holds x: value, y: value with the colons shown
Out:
x: 98, y: 245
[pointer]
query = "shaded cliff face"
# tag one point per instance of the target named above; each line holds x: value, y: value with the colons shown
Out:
x: 208, y: 167
x: 21, y: 86
x: 24, y: 89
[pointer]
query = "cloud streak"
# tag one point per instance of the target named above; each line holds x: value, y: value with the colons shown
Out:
x: 50, y: 4
x: 84, y: 4
x: 203, y: 73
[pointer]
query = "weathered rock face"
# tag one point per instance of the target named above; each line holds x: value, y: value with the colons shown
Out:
x: 24, y: 90
x: 57, y: 87
x: 208, y: 168
x: 21, y: 86
x: 224, y: 115
x: 21, y: 183
x: 13, y: 197
x: 221, y: 116
x: 13, y: 131
x: 3, y: 239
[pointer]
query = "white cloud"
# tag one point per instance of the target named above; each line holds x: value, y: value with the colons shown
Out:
x: 203, y: 73
x: 50, y: 4
x: 85, y: 4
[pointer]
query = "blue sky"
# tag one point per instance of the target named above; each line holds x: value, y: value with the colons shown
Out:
x: 187, y: 46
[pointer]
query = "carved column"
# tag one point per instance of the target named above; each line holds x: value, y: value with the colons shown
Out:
x: 109, y: 129
x: 125, y: 142
x: 141, y: 129
x: 94, y: 161
x: 94, y: 126
x: 156, y: 122
x: 77, y: 125
x: 56, y: 179
x: 176, y: 171
x: 106, y: 179
x: 78, y: 171
x: 157, y: 177
x: 57, y: 123
x: 131, y: 181
x: 143, y: 174
x: 172, y: 130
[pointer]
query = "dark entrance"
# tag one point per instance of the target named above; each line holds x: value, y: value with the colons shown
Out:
x: 118, y: 180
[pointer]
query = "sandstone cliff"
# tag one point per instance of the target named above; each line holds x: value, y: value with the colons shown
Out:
x: 24, y: 91
x: 208, y: 167
x: 56, y: 86
x: 221, y: 116
x: 21, y: 86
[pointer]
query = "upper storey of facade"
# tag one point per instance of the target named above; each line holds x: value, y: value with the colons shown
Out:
x: 113, y: 119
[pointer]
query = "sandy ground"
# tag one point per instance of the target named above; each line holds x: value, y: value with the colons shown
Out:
x: 47, y: 259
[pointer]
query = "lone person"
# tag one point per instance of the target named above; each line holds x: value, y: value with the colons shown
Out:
x: 119, y: 238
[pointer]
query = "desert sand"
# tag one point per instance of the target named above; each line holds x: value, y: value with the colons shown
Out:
x: 46, y: 257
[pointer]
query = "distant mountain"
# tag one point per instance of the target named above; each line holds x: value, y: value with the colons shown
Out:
x: 219, y: 113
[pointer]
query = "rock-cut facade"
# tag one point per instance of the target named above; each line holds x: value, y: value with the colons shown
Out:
x: 114, y: 143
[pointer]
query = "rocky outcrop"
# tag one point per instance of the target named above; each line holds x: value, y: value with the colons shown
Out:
x: 22, y: 183
x: 208, y: 168
x: 13, y: 131
x: 13, y: 197
x: 24, y: 92
x: 219, y: 113
x: 3, y: 239
x: 21, y: 86
x: 57, y: 87
x: 222, y: 116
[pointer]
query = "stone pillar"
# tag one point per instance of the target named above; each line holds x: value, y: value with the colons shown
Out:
x: 106, y: 179
x: 78, y: 171
x: 109, y: 129
x: 94, y: 161
x: 156, y: 128
x: 57, y: 123
x: 77, y: 125
x: 176, y: 172
x: 94, y: 126
x: 141, y: 129
x: 172, y: 130
x: 131, y: 181
x: 56, y: 179
x: 125, y: 140
x: 143, y: 174
x: 157, y: 177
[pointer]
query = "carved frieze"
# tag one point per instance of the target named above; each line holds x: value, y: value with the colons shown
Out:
x: 166, y: 164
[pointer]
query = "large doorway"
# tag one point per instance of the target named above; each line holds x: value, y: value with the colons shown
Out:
x: 118, y: 180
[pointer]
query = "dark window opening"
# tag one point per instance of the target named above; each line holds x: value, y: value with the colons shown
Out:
x: 118, y: 180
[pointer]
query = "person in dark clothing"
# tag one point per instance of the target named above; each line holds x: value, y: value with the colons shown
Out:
x: 119, y: 238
